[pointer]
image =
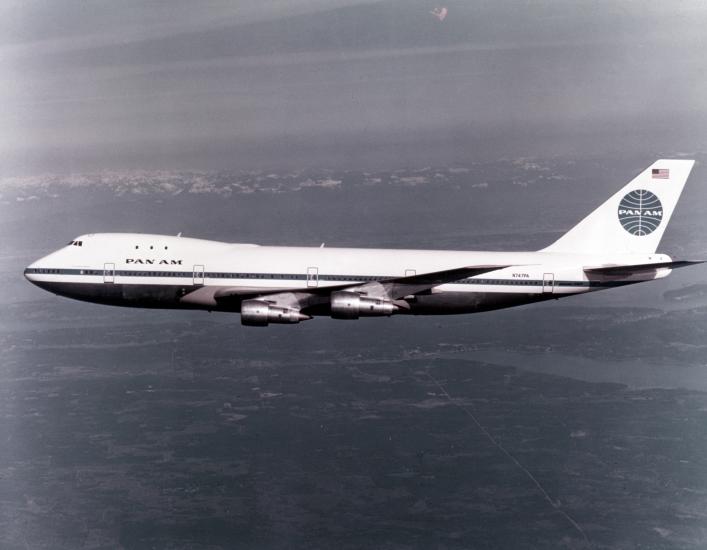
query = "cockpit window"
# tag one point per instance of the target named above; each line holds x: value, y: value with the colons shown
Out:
x: 75, y: 243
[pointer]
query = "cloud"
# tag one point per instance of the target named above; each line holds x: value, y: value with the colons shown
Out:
x: 138, y: 22
x: 282, y: 79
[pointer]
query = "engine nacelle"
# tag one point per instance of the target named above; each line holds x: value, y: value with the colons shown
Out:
x: 351, y: 305
x: 258, y: 313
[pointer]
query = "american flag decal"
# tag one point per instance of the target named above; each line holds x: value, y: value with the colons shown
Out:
x: 660, y: 173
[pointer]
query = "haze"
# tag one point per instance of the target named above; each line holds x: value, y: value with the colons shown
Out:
x: 238, y: 85
x: 574, y: 424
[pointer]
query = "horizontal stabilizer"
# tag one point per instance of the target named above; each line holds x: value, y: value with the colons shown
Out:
x: 636, y: 269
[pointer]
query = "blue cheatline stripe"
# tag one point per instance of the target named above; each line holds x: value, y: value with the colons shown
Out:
x: 303, y: 277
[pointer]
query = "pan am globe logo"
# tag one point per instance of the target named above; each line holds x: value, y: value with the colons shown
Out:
x: 640, y: 212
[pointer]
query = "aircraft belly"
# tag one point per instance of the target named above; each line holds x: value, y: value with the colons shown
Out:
x: 447, y: 303
x: 454, y: 299
x: 148, y: 295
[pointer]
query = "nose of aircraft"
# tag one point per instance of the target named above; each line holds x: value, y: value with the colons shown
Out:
x: 37, y: 271
x: 31, y: 272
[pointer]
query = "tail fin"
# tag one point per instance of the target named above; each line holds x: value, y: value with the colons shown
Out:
x: 634, y: 219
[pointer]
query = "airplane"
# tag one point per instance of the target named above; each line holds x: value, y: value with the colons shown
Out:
x: 613, y: 246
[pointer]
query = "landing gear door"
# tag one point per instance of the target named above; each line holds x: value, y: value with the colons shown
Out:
x: 548, y: 283
x: 198, y: 274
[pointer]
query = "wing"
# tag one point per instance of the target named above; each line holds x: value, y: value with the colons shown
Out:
x: 399, y: 287
x: 390, y: 288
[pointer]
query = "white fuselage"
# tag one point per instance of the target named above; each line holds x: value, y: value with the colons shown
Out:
x: 613, y: 246
x: 176, y: 272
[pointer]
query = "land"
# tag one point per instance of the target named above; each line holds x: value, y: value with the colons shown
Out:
x: 571, y: 424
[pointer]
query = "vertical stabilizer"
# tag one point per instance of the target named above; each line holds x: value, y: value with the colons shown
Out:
x: 633, y: 220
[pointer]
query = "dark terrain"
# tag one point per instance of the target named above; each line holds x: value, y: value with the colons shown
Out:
x: 571, y: 424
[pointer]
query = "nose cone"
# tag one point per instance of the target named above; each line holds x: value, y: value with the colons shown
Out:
x: 39, y: 272
x: 31, y: 273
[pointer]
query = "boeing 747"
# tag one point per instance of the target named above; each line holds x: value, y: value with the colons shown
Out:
x: 613, y: 246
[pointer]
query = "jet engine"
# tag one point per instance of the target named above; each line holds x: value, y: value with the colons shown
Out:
x: 259, y: 313
x: 351, y: 305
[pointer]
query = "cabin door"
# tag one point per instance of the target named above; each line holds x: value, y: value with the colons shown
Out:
x: 312, y: 277
x: 198, y: 274
x: 548, y: 283
x: 108, y: 273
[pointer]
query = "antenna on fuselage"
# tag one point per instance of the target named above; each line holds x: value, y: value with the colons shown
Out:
x: 179, y: 234
x: 321, y: 245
